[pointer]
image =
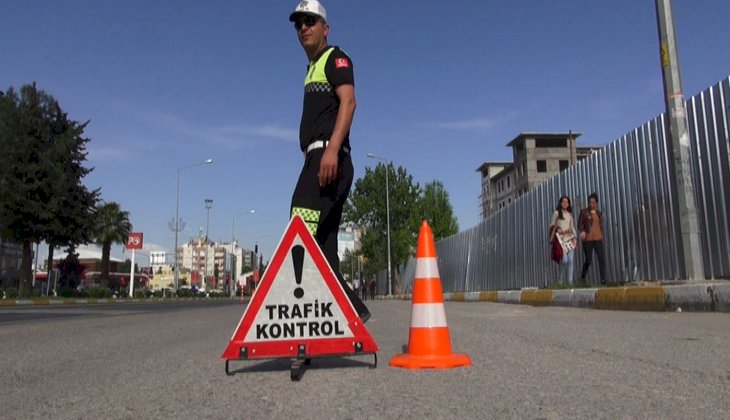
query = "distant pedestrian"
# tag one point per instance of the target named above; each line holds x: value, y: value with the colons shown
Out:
x: 373, y: 286
x: 364, y: 289
x: 590, y: 226
x: 563, y: 230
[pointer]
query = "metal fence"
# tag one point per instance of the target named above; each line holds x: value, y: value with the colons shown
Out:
x: 633, y: 177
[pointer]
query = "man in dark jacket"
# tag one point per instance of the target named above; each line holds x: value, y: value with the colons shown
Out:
x: 590, y: 226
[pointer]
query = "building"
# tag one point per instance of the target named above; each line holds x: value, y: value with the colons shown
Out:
x: 236, y: 261
x: 201, y: 257
x: 348, y: 240
x: 537, y: 157
x: 489, y: 171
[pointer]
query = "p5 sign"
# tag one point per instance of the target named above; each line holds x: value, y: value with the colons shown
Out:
x: 135, y: 240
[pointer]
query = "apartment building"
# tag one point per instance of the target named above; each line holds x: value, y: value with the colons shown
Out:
x: 537, y: 157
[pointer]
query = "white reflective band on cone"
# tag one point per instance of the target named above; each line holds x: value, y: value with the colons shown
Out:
x: 428, y: 315
x: 427, y: 268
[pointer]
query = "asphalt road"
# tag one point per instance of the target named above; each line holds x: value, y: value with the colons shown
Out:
x: 162, y: 361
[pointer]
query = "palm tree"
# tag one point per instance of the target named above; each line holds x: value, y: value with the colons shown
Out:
x: 112, y: 226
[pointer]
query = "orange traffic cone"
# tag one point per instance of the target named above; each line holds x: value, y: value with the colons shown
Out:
x: 429, y: 343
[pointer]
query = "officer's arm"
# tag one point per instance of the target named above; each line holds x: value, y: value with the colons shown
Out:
x: 328, y: 165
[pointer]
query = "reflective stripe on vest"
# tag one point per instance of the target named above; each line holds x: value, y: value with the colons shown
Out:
x: 316, y: 79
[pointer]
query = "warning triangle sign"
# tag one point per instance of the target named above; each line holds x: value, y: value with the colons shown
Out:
x: 299, y: 308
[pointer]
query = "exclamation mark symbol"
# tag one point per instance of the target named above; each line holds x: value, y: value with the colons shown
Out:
x: 297, y: 255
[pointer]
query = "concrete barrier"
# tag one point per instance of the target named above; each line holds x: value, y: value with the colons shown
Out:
x: 472, y: 296
x: 689, y: 298
x: 583, y: 298
x: 537, y: 297
x: 458, y: 297
x: 562, y: 297
x: 721, y: 297
x: 631, y: 298
x: 509, y: 296
x: 488, y: 296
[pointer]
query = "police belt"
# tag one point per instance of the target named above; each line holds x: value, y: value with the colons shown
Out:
x: 320, y: 144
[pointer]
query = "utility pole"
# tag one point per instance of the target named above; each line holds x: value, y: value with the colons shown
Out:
x: 677, y: 128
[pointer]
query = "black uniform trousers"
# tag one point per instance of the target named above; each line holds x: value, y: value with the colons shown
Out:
x: 321, y: 208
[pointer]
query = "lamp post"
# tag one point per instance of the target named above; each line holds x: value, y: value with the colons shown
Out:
x: 177, y: 224
x: 208, y: 206
x: 234, y: 269
x: 387, y: 208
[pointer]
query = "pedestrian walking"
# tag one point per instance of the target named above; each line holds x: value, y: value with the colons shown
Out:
x: 324, y: 136
x: 590, y: 226
x: 563, y: 230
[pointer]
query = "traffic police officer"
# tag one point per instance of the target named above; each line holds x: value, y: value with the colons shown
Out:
x: 324, y: 136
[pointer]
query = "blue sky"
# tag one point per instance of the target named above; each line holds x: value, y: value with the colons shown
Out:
x: 441, y: 88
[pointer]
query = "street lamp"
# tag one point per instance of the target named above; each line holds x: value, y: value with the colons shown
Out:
x: 177, y: 224
x: 387, y: 208
x: 208, y: 206
x: 234, y: 269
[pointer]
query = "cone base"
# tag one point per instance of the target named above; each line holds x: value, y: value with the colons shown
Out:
x: 409, y: 361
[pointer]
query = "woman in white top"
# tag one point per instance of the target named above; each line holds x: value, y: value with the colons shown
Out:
x: 564, y: 228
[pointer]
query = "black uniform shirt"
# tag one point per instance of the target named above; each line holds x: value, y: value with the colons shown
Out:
x: 330, y: 69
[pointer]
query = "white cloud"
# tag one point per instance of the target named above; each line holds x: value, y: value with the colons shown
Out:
x: 150, y: 247
x: 231, y: 136
x: 469, y: 124
x: 106, y: 154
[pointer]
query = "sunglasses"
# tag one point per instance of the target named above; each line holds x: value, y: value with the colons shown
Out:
x: 308, y: 20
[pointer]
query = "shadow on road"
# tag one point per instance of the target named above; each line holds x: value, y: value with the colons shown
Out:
x: 301, y: 365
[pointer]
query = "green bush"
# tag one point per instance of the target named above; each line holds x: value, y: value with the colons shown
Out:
x: 184, y: 293
x: 218, y: 293
x: 11, y: 293
x: 140, y: 294
x: 67, y: 292
x: 100, y: 292
x: 159, y: 293
x: 35, y: 293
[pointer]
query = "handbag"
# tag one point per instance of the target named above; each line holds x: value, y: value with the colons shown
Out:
x: 556, y: 250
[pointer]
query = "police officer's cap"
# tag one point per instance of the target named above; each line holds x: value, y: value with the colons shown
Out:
x: 309, y: 7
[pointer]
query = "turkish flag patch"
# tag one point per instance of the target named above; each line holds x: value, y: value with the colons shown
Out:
x: 341, y: 63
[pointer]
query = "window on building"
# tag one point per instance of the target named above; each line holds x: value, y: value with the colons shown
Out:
x: 551, y: 143
x: 507, y: 182
x: 541, y: 166
x: 564, y: 165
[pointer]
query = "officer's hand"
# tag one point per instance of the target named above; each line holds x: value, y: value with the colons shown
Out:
x: 328, y: 167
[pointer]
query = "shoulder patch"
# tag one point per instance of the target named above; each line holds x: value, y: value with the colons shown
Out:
x: 342, y: 63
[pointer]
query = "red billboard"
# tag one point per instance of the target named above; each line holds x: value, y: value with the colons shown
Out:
x: 135, y: 240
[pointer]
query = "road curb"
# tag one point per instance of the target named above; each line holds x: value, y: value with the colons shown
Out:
x: 705, y: 297
x: 95, y: 301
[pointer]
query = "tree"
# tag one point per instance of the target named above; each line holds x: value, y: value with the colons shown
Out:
x: 41, y: 194
x: 70, y: 269
x: 112, y: 226
x: 435, y: 207
x: 367, y: 208
x: 348, y: 265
